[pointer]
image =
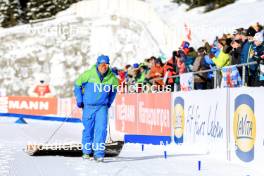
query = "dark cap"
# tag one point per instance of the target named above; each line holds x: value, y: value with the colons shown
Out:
x: 251, y: 32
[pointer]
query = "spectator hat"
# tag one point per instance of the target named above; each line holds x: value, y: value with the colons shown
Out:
x: 135, y: 65
x: 185, y: 44
x: 251, y: 32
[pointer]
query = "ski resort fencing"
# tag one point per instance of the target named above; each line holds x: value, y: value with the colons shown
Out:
x: 225, y: 123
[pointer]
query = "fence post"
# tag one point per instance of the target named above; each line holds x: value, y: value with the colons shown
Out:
x: 215, y: 79
x: 228, y: 128
x: 243, y: 75
x: 192, y: 80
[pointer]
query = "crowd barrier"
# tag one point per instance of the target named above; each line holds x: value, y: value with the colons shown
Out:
x: 225, y: 123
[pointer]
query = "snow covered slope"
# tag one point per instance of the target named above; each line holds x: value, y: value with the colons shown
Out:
x: 67, y: 45
x: 242, y: 13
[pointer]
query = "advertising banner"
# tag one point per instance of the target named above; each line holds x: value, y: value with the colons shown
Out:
x: 154, y: 114
x: 126, y: 113
x: 199, y: 120
x: 32, y: 105
x: 247, y: 126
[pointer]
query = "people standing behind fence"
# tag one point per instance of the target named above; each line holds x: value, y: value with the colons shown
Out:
x: 242, y: 47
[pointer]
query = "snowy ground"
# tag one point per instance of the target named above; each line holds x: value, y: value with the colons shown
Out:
x: 132, y: 160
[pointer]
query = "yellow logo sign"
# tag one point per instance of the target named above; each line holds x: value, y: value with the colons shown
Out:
x: 244, y: 127
x: 178, y: 120
x: 178, y: 123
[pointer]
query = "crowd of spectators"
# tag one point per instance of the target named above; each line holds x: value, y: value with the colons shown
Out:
x: 242, y: 47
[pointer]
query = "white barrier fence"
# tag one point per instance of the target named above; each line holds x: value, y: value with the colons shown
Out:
x: 225, y: 123
x: 199, y: 121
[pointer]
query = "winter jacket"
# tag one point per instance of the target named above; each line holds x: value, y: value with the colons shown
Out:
x: 122, y: 77
x: 198, y: 65
x: 140, y: 78
x: 209, y: 64
x: 90, y: 90
x: 247, y: 54
x: 222, y: 59
x: 258, y: 53
x: 181, y: 66
x: 259, y: 57
x: 153, y: 74
x: 172, y: 68
x: 235, y: 56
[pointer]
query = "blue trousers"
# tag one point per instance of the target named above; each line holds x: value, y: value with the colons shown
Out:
x: 95, y: 130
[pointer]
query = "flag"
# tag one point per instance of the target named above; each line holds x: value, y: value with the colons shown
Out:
x: 186, y: 81
x: 231, y: 77
x: 188, y: 32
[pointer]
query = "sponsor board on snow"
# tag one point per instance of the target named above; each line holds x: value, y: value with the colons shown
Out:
x: 126, y: 110
x: 32, y: 106
x: 154, y: 114
x: 200, y: 124
x: 144, y: 114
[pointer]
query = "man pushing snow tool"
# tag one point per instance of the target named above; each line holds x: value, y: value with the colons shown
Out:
x: 95, y: 91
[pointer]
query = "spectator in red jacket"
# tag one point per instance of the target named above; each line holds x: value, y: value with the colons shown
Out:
x: 157, y: 72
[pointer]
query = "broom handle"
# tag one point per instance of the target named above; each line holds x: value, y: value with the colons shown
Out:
x: 59, y: 127
x: 110, y: 138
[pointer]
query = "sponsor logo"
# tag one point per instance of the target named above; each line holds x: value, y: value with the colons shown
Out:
x: 244, y: 127
x: 178, y: 120
x: 125, y: 112
x: 159, y: 117
x: 32, y: 105
x: 29, y: 105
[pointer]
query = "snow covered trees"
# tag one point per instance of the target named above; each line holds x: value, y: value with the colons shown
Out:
x: 210, y: 4
x: 45, y: 8
x: 11, y: 12
x: 39, y: 9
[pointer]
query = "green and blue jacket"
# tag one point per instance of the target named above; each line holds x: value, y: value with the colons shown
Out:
x: 93, y: 89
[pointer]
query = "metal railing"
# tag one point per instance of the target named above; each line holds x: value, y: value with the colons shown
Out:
x: 215, y: 73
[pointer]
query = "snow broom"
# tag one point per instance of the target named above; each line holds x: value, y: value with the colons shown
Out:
x: 112, y: 148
